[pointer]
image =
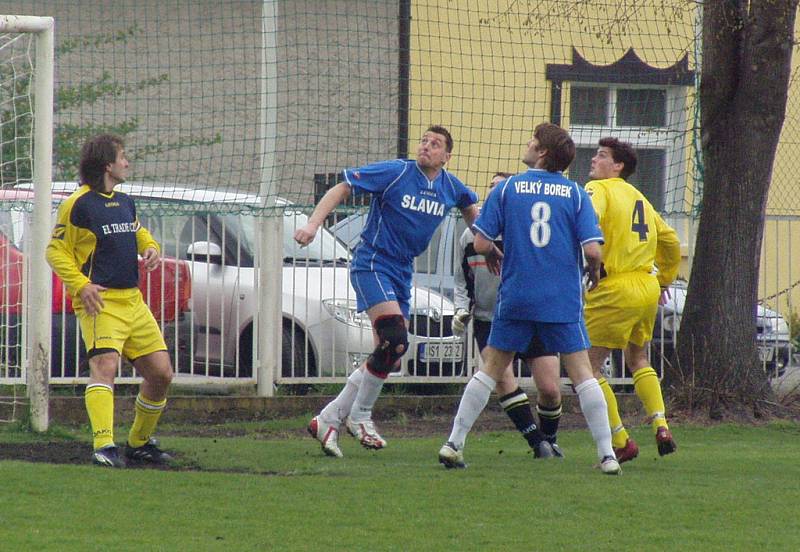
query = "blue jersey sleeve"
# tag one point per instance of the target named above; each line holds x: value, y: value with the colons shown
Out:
x: 490, y: 221
x: 464, y: 196
x: 588, y: 228
x: 375, y: 177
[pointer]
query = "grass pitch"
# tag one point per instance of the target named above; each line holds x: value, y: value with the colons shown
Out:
x: 728, y: 487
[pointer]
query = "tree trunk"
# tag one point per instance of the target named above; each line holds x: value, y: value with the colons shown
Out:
x: 747, y: 48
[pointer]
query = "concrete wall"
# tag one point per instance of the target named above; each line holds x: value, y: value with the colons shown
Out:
x: 337, y: 92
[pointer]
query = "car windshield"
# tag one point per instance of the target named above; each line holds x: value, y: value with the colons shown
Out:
x: 325, y: 246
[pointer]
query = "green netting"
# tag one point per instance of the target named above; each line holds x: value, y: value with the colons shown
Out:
x: 277, y: 97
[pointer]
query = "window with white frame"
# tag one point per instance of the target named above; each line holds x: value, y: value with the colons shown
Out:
x: 634, y: 102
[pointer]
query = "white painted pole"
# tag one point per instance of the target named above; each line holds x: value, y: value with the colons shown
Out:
x: 268, y: 322
x: 39, y: 277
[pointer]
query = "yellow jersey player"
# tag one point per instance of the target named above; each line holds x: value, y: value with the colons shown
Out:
x: 621, y: 311
x: 94, y: 249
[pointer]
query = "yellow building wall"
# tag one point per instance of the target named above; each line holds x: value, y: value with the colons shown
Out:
x: 478, y: 68
x: 485, y: 80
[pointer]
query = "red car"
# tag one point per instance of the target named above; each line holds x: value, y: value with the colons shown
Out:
x: 166, y: 290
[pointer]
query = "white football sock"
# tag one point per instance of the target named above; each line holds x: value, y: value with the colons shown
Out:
x: 473, y: 401
x: 336, y: 410
x: 595, y: 410
x: 368, y: 392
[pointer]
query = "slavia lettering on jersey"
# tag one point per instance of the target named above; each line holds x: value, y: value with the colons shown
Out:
x: 423, y: 205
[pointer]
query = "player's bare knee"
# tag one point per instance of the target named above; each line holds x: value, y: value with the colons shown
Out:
x: 155, y: 368
x: 165, y: 375
x: 392, y: 343
x: 549, y: 394
x: 103, y: 364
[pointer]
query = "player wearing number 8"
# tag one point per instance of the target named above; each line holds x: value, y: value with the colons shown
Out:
x: 546, y: 222
x: 621, y: 311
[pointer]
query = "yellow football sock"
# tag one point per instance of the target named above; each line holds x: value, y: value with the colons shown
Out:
x: 619, y: 436
x: 144, y: 422
x: 99, y: 399
x: 648, y: 389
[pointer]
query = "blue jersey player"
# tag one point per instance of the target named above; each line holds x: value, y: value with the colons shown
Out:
x: 409, y: 201
x: 547, y: 222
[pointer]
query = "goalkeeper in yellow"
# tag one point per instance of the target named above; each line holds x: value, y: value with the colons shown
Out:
x: 641, y: 256
x: 94, y: 249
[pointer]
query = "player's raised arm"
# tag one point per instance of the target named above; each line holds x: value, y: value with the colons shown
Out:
x: 328, y: 203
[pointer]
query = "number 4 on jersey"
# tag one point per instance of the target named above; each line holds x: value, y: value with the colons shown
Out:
x: 638, y: 223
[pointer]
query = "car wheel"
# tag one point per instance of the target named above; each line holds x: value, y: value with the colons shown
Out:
x: 246, y: 353
x: 293, y: 353
x: 293, y: 358
x: 777, y: 368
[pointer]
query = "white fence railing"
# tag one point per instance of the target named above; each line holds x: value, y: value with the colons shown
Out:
x: 211, y: 334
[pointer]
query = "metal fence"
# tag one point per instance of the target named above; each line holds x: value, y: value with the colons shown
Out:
x: 211, y: 334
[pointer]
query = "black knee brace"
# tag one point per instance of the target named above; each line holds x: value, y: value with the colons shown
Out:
x: 393, y: 336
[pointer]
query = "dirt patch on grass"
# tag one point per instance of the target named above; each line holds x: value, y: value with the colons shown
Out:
x: 63, y: 452
x: 393, y: 420
x: 391, y: 424
x: 51, y: 453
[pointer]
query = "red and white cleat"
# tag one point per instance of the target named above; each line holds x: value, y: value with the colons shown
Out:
x: 327, y: 435
x: 366, y: 434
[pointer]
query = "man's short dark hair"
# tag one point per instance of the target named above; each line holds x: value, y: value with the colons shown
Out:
x: 96, y: 154
x: 621, y: 152
x: 558, y: 144
x: 439, y: 129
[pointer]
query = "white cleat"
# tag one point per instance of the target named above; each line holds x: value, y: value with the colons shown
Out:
x: 366, y: 434
x: 327, y: 435
x: 451, y: 457
x: 610, y: 466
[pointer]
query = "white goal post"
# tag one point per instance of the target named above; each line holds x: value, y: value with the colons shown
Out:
x: 38, y: 315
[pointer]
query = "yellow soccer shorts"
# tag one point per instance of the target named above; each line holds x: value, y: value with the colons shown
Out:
x: 622, y: 309
x: 125, y: 325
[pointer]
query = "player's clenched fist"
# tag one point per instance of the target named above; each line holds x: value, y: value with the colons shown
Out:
x: 305, y: 235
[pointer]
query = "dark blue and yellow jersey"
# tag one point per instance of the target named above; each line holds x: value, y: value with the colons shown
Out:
x: 96, y: 239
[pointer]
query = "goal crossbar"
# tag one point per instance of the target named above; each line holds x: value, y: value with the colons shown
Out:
x: 25, y: 24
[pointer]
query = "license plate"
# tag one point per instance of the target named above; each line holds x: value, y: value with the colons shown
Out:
x: 765, y: 353
x: 441, y: 352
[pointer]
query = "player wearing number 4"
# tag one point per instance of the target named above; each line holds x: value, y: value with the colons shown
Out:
x: 621, y: 311
x: 546, y: 222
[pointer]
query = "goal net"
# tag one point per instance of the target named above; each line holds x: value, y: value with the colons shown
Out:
x: 26, y: 103
x: 253, y: 107
x: 276, y: 97
x: 16, y: 162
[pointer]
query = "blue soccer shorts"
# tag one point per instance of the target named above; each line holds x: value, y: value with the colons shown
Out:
x: 378, y: 287
x: 482, y: 328
x: 516, y: 335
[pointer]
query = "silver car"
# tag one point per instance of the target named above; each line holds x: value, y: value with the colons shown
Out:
x: 772, y: 333
x: 322, y: 333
